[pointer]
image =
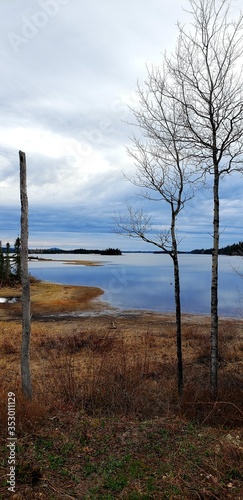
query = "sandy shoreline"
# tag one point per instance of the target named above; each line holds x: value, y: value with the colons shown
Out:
x: 76, y: 262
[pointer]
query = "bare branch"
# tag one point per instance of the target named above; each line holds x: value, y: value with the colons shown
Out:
x: 136, y: 223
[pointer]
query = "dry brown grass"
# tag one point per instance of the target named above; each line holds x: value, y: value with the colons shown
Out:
x: 130, y: 370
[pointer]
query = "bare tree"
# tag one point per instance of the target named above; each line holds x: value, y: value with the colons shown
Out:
x: 163, y: 174
x: 26, y: 319
x: 206, y: 81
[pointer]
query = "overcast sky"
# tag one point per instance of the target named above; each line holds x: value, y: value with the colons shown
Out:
x: 69, y: 70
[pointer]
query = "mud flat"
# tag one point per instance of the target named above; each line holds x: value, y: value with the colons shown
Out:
x: 51, y: 298
x: 57, y: 302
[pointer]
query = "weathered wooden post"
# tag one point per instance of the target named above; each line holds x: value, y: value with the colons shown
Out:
x: 26, y: 318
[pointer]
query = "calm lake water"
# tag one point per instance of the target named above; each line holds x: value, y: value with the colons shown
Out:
x: 145, y: 281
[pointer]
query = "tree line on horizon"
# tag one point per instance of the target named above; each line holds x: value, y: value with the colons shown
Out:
x: 107, y: 251
x: 236, y: 249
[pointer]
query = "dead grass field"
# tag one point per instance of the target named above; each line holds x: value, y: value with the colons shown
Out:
x: 105, y: 420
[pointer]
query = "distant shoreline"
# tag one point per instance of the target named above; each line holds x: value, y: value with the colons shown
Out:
x: 77, y: 251
x: 234, y: 250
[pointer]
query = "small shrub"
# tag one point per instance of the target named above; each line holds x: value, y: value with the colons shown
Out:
x: 126, y: 381
x: 30, y: 414
x: 75, y: 343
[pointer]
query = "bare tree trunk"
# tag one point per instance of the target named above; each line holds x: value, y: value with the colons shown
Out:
x: 178, y: 309
x: 214, y: 290
x: 178, y: 326
x: 26, y: 318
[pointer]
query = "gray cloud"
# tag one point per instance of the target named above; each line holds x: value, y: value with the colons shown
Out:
x: 68, y: 71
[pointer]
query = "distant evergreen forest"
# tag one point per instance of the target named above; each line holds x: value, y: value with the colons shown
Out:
x: 235, y: 249
x: 10, y: 265
x: 107, y: 251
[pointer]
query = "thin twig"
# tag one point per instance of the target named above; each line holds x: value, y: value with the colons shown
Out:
x: 214, y: 403
x: 61, y: 492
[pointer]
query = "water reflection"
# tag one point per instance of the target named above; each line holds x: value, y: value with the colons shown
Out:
x: 9, y: 300
x: 145, y: 281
